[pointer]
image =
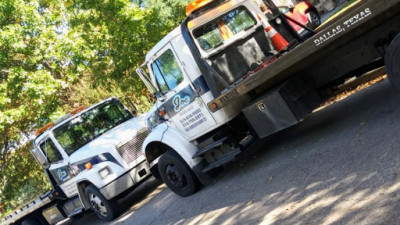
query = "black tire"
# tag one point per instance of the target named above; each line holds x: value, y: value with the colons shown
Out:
x: 154, y: 171
x: 392, y: 59
x: 106, y: 210
x: 313, y: 19
x: 177, y: 175
x: 30, y: 221
x: 77, y: 216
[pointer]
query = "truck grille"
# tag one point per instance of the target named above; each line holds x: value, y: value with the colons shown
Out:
x: 133, y: 148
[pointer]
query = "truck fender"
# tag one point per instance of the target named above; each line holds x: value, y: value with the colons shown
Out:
x: 82, y: 184
x: 164, y: 137
x: 89, y: 177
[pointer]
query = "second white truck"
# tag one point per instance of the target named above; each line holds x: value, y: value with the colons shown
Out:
x: 91, y: 156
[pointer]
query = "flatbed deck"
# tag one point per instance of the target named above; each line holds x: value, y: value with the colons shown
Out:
x: 28, y: 208
x: 366, y: 18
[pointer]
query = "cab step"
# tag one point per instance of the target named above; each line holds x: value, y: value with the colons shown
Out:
x: 226, y: 158
x: 209, y: 147
x: 77, y: 211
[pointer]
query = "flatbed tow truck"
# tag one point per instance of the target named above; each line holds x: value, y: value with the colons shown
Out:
x: 91, y: 156
x: 222, y: 83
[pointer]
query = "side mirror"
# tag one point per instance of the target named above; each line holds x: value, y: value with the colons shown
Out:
x: 40, y: 158
x: 146, y: 80
x: 132, y: 106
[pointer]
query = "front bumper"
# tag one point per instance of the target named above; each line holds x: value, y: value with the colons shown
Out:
x: 126, y: 181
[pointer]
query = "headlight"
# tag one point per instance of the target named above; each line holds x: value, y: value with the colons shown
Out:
x: 104, y: 172
x: 153, y: 120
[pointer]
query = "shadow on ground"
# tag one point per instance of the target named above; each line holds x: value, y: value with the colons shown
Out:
x: 340, y: 166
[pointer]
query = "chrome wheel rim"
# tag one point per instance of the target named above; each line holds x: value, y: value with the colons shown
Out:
x: 97, y: 205
x: 315, y: 19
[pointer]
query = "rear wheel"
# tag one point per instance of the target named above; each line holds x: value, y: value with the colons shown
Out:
x: 177, y: 175
x: 392, y: 59
x: 31, y: 221
x: 313, y: 19
x: 106, y: 210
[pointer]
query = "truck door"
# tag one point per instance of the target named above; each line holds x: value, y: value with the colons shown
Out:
x: 60, y: 169
x: 181, y: 102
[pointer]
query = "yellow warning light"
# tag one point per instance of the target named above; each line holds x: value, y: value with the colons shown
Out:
x: 75, y: 111
x: 44, y: 128
x: 195, y: 5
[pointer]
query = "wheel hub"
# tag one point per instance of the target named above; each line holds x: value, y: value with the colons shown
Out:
x: 315, y: 18
x: 175, y: 176
x: 97, y: 205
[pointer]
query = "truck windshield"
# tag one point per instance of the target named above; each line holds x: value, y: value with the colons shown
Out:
x: 91, y: 124
x: 214, y: 33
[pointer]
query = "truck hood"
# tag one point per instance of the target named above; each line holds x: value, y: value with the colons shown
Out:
x: 110, y: 140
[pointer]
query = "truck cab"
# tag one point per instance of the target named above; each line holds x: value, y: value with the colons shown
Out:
x: 220, y: 44
x: 93, y: 155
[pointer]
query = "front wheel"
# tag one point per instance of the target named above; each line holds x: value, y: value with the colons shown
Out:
x: 313, y: 19
x: 106, y: 210
x: 177, y: 175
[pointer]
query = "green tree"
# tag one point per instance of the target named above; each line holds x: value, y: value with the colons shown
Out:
x: 121, y: 33
x: 25, y: 179
x: 39, y: 60
x: 56, y: 55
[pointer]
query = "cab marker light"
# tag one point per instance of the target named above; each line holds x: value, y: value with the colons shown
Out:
x: 88, y: 165
x: 75, y: 111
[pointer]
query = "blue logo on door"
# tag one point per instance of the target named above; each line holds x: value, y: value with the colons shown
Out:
x: 62, y: 175
x: 180, y: 102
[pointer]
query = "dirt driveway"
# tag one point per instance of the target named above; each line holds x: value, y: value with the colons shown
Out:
x: 341, y: 165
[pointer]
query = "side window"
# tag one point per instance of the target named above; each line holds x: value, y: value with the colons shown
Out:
x: 52, y: 153
x: 160, y: 79
x: 167, y: 71
x: 213, y: 34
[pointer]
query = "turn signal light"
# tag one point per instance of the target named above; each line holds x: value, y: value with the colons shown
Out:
x: 162, y: 113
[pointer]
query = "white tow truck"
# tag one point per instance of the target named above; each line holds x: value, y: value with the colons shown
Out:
x: 91, y: 156
x: 235, y: 71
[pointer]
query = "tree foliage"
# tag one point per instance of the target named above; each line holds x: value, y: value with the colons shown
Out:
x: 56, y: 55
x: 25, y: 179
